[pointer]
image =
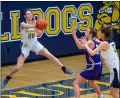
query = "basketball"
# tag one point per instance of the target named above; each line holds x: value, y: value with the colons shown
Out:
x: 41, y: 24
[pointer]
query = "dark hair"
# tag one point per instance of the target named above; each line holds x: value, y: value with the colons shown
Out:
x: 93, y: 32
x: 107, y: 31
x: 27, y: 10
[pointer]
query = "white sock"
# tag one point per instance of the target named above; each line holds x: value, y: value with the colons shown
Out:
x: 101, y: 96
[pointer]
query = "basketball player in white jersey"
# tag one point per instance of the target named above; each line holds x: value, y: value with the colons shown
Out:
x: 107, y: 48
x: 30, y: 43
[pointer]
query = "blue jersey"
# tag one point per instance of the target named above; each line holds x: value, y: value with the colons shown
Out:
x: 92, y: 59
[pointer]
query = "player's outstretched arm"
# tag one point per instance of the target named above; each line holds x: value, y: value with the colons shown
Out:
x: 78, y: 43
x: 95, y: 51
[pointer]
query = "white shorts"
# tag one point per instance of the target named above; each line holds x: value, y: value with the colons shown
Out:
x: 114, y: 78
x: 34, y: 46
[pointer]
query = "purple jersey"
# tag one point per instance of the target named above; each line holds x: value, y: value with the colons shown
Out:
x: 92, y: 59
x: 93, y: 69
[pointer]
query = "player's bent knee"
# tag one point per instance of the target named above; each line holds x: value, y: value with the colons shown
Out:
x: 75, y: 83
x: 21, y: 59
x: 91, y: 82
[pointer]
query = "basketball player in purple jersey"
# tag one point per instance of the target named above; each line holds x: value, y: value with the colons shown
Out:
x: 93, y: 68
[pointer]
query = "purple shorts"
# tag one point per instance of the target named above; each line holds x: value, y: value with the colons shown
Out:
x: 92, y: 72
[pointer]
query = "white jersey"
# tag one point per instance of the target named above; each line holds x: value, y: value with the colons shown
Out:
x: 28, y: 35
x: 110, y: 56
x: 30, y: 43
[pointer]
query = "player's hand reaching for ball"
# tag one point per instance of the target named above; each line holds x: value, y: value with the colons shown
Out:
x: 38, y: 32
x: 34, y: 22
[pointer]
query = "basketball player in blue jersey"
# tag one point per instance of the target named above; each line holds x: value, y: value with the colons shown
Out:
x: 93, y: 68
x: 30, y: 43
x: 107, y: 49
